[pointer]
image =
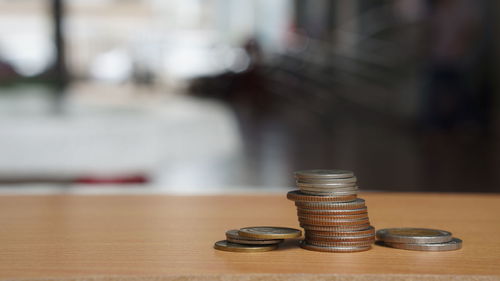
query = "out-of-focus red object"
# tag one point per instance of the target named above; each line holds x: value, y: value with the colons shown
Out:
x: 125, y: 179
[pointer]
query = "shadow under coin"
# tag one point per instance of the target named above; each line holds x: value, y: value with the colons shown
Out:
x: 289, y: 244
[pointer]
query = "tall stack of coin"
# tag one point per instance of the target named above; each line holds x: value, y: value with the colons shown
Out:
x: 333, y: 217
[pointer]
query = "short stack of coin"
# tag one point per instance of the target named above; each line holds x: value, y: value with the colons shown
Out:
x: 419, y: 239
x: 256, y: 239
x: 328, y: 209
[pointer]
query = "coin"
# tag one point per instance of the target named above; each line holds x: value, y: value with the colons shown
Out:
x: 327, y: 180
x: 346, y: 249
x: 269, y: 232
x: 356, y: 204
x: 334, y: 222
x: 329, y: 193
x: 333, y: 217
x: 224, y: 245
x: 322, y: 174
x: 321, y: 189
x: 254, y: 242
x: 453, y: 244
x: 327, y: 185
x: 311, y: 237
x: 413, y: 235
x: 308, y: 227
x: 233, y: 237
x: 323, y: 243
x: 370, y: 230
x: 296, y: 195
x: 332, y: 212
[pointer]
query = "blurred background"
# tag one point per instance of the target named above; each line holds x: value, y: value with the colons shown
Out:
x: 200, y: 96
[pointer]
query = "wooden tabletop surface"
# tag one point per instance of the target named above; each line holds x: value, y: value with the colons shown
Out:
x: 159, y: 237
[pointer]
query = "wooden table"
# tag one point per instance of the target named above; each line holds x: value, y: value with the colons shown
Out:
x: 170, y: 238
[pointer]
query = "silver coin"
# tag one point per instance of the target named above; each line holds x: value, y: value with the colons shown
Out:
x: 341, y: 228
x: 333, y: 218
x: 331, y: 212
x: 332, y: 193
x: 413, y: 235
x: 324, y: 174
x: 323, y: 243
x: 356, y: 204
x: 328, y: 189
x: 369, y: 231
x: 365, y: 237
x: 330, y: 180
x: 453, y: 244
x: 326, y: 185
x: 345, y: 249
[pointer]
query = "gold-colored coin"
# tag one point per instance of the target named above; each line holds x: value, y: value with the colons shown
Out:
x: 269, y: 232
x: 233, y: 237
x: 224, y: 245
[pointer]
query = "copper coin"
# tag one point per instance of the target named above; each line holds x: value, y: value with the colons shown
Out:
x: 296, y: 195
x: 224, y: 245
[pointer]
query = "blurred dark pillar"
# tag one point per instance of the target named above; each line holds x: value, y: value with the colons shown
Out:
x: 317, y: 17
x: 59, y: 68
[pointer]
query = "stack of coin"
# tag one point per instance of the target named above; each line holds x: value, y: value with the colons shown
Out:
x: 334, y: 219
x: 256, y: 239
x: 419, y: 239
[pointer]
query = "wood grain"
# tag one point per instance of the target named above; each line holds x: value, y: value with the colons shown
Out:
x: 171, y: 237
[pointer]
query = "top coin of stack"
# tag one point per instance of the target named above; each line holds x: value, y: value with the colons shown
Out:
x: 334, y: 219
